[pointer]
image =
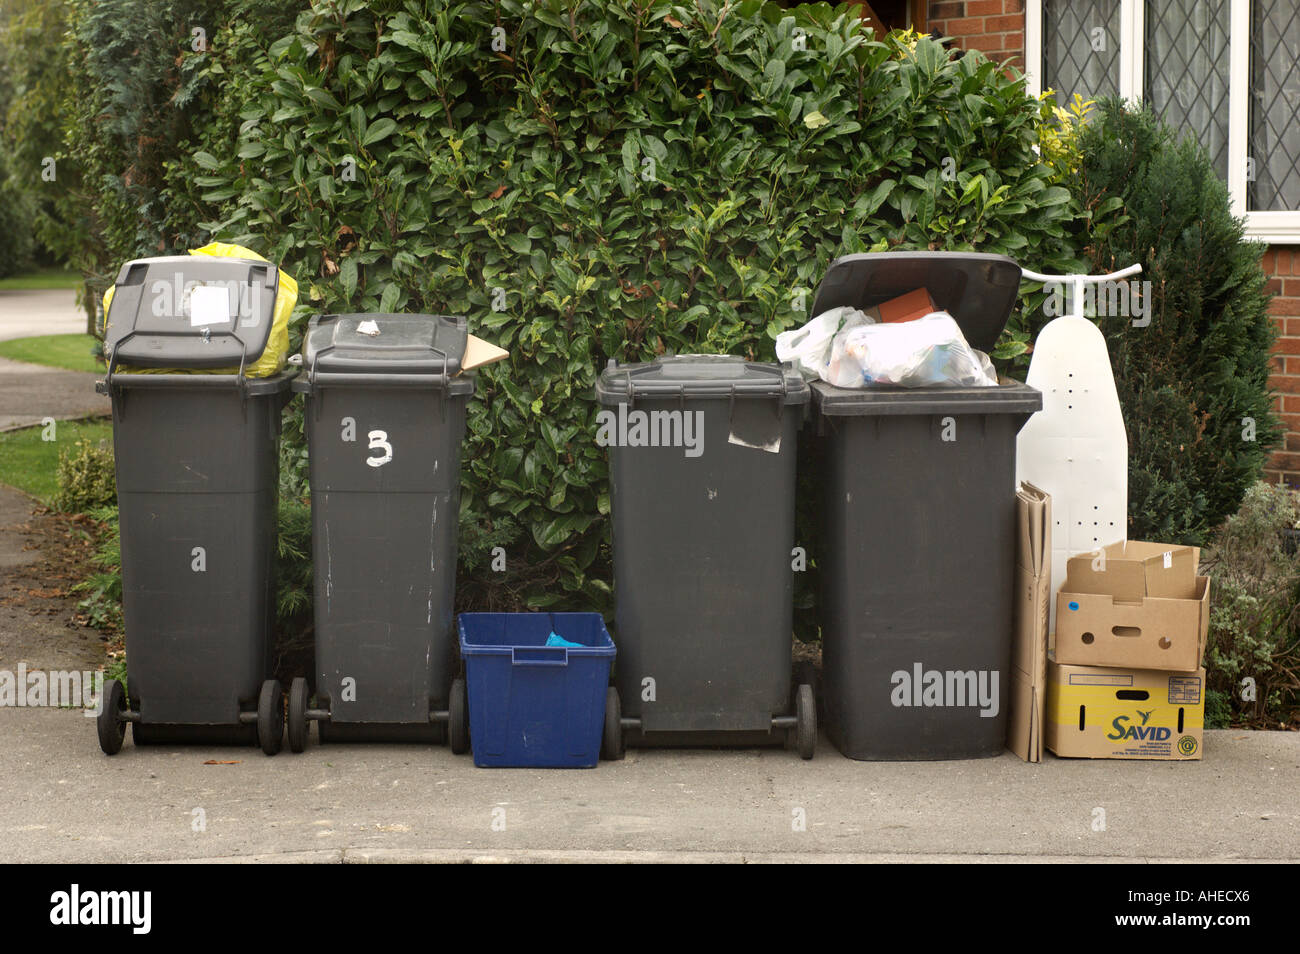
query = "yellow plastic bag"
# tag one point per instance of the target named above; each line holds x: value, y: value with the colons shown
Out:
x: 273, y: 356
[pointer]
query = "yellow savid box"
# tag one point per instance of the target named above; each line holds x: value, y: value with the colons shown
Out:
x: 1102, y: 713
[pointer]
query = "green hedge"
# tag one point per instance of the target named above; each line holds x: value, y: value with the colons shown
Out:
x: 587, y: 181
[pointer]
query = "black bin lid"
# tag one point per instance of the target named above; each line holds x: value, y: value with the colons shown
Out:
x: 168, y: 312
x: 384, y: 344
x: 977, y: 289
x: 1012, y: 397
x: 689, y: 376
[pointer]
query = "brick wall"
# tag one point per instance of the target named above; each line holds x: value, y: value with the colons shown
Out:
x: 994, y: 27
x: 1282, y: 265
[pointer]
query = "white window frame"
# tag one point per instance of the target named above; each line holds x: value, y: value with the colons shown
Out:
x: 1278, y: 228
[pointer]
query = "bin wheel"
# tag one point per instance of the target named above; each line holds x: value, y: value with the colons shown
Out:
x: 458, y: 718
x: 298, y: 714
x: 611, y: 743
x: 806, y: 729
x: 270, y: 717
x: 109, y: 722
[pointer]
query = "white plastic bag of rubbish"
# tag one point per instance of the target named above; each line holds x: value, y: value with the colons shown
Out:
x: 912, y: 354
x: 809, y: 348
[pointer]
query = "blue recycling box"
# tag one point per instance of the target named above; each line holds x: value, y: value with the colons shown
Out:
x: 533, y: 705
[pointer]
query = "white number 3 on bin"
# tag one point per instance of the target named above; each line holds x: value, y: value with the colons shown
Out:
x: 379, y: 442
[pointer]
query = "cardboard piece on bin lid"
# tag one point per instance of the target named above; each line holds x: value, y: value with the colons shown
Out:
x: 479, y: 353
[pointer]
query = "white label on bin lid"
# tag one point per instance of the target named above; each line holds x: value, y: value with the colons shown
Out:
x: 1169, y: 559
x: 209, y: 305
x: 368, y: 327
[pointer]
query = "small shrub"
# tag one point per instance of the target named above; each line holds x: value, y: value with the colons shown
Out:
x: 1253, y: 658
x: 1218, y: 709
x: 102, y: 603
x: 86, y: 478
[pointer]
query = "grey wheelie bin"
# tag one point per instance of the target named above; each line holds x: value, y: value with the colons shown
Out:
x: 197, y: 457
x: 702, y: 468
x: 385, y: 416
x: 917, y: 543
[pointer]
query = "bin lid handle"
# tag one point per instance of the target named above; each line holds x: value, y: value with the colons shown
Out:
x: 240, y: 382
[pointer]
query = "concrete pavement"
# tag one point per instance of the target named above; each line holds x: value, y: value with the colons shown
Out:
x: 29, y: 393
x: 62, y: 800
x: 43, y: 311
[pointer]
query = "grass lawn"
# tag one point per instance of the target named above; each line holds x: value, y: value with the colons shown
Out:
x: 59, y: 351
x: 42, y: 278
x: 32, y: 465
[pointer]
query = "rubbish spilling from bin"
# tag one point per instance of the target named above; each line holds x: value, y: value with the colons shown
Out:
x: 926, y: 351
x: 195, y: 347
x: 532, y: 703
x: 220, y: 303
x: 849, y: 348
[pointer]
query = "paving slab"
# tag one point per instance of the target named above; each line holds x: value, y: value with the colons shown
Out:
x: 61, y: 800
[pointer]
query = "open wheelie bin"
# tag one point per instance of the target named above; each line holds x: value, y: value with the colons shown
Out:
x: 917, y: 555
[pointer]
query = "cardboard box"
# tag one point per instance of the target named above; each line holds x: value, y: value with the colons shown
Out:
x: 1028, y: 696
x: 1098, y: 713
x: 915, y: 304
x: 1134, y: 605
